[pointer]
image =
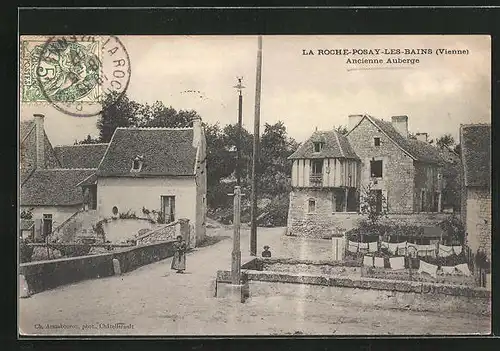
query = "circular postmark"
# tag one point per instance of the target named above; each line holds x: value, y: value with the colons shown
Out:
x: 80, y: 75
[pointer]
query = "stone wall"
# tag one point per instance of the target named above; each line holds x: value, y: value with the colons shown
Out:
x: 44, y: 275
x: 324, y: 223
x: 478, y: 224
x: 426, y: 178
x: 398, y: 170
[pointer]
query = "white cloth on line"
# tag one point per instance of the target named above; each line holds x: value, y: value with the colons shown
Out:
x: 426, y: 250
x: 448, y: 269
x: 402, y: 248
x: 445, y: 251
x: 373, y: 246
x: 463, y: 268
x: 397, y: 263
x: 457, y: 249
x: 428, y: 268
x: 393, y: 248
x: 368, y: 261
x: 352, y: 246
x: 379, y: 262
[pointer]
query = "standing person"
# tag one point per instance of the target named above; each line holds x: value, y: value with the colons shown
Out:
x: 266, y: 252
x: 179, y: 260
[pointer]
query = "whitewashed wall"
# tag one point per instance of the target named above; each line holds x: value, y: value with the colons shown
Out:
x: 135, y: 193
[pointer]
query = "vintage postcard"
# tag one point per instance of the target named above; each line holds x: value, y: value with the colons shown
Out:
x: 254, y: 185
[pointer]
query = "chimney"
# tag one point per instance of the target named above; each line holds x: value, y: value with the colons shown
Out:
x: 40, y: 141
x: 421, y: 136
x: 400, y: 123
x: 354, y: 120
x: 197, y: 130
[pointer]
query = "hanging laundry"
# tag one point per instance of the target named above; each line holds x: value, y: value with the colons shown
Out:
x: 384, y: 245
x: 379, y: 262
x: 457, y: 250
x: 393, y: 248
x: 352, y: 246
x: 428, y: 268
x: 426, y: 250
x: 368, y: 261
x: 401, y: 249
x: 397, y: 263
x: 373, y: 246
x: 463, y: 268
x: 363, y: 247
x: 448, y: 269
x: 445, y: 251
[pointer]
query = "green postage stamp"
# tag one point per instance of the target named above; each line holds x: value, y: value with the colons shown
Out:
x: 70, y: 72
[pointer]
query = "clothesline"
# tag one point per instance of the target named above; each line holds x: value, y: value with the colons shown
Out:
x: 401, y: 248
x: 398, y: 263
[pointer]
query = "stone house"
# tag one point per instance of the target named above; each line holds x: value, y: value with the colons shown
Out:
x: 475, y: 141
x: 405, y: 175
x: 325, y: 180
x: 155, y: 169
x: 407, y: 172
x: 49, y: 187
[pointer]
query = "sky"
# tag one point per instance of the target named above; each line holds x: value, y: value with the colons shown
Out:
x: 304, y: 91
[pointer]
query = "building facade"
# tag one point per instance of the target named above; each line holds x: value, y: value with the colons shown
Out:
x: 475, y: 141
x: 155, y: 169
x: 376, y: 157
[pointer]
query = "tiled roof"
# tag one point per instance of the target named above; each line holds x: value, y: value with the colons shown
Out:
x: 475, y: 140
x: 419, y: 150
x: 25, y: 127
x: 54, y: 187
x: 27, y: 224
x: 335, y: 145
x: 164, y: 151
x: 80, y: 156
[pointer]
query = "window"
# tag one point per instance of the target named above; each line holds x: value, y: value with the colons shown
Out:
x: 376, y: 141
x: 376, y: 169
x: 318, y: 147
x: 168, y: 209
x: 312, y: 206
x: 317, y: 167
x: 422, y: 201
x: 47, y: 224
x: 137, y: 164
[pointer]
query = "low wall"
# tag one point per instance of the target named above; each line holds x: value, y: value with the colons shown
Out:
x: 43, y: 275
x: 325, y: 226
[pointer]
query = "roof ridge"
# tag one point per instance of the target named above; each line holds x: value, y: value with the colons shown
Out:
x: 155, y: 128
x: 81, y: 145
x: 67, y: 169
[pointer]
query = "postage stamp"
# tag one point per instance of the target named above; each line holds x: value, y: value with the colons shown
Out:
x: 73, y: 73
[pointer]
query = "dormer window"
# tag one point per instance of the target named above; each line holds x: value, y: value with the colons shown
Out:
x: 136, y: 164
x: 318, y: 146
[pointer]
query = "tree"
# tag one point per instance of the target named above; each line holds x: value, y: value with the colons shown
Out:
x: 446, y: 140
x: 372, y: 204
x: 88, y: 140
x: 342, y: 129
x: 457, y: 149
x: 116, y: 112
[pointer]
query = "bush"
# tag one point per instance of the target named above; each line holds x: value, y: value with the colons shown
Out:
x: 453, y: 229
x: 25, y: 251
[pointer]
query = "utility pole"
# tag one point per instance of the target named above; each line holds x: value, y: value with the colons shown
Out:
x: 255, y: 162
x: 239, y: 87
x: 236, y: 254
